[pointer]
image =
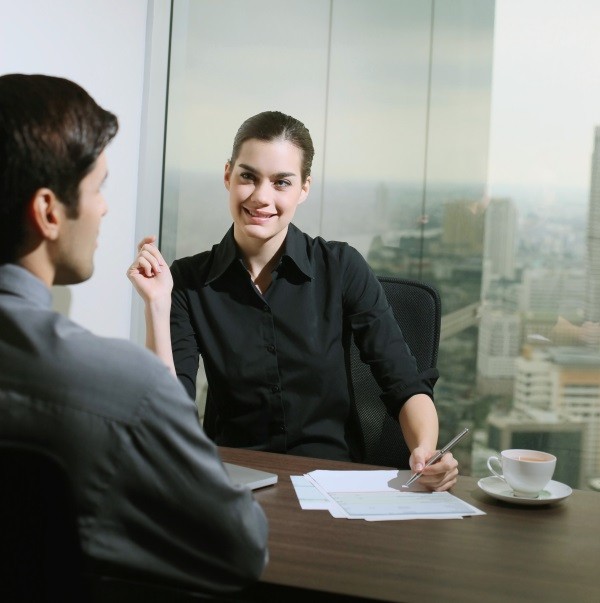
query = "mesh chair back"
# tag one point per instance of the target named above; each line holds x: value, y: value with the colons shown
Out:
x: 417, y: 309
x: 40, y: 553
x: 209, y: 422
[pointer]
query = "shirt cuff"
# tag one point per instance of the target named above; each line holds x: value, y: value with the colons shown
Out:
x: 395, y: 398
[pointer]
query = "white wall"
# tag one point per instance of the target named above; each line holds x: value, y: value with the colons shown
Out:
x: 101, y: 45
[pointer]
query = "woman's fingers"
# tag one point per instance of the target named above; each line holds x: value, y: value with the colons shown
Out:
x: 150, y: 257
x: 145, y: 266
x: 147, y: 240
x: 441, y: 475
x: 149, y: 260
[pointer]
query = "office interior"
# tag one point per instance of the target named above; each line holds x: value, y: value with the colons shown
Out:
x: 457, y: 142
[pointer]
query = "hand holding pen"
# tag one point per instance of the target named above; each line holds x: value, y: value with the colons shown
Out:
x: 437, y: 456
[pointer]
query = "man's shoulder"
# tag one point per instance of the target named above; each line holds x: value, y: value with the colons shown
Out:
x: 130, y: 365
x: 133, y: 376
x: 52, y: 358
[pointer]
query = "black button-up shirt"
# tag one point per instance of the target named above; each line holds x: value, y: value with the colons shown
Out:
x: 276, y: 363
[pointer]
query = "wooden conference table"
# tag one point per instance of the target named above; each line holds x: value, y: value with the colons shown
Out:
x: 513, y: 553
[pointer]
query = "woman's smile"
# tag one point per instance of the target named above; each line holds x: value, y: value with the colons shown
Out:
x: 259, y: 215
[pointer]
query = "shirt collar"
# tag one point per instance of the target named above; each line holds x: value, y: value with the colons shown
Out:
x: 223, y: 255
x: 295, y: 249
x: 15, y: 280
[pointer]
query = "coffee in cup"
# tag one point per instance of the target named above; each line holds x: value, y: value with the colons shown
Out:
x: 527, y: 472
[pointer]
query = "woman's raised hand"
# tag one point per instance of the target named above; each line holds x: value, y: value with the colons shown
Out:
x: 150, y: 274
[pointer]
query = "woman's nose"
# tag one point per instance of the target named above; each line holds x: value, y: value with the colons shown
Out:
x: 261, y: 192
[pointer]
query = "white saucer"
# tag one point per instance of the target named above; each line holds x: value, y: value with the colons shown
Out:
x: 499, y: 489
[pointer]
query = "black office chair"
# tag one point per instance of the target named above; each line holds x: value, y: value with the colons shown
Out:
x: 417, y: 308
x: 110, y: 589
x: 40, y: 556
x: 40, y: 553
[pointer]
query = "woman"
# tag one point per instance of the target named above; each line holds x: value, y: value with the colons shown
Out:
x: 270, y: 310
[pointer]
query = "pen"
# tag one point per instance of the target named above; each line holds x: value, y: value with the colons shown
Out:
x: 437, y: 456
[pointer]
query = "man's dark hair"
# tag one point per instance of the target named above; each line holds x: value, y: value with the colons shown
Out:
x: 51, y: 133
x: 274, y: 125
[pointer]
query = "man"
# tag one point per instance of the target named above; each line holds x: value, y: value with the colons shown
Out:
x: 153, y: 500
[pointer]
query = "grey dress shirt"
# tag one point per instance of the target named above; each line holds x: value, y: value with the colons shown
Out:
x: 152, y: 497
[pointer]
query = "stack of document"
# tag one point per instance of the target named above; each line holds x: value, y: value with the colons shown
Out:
x: 376, y: 496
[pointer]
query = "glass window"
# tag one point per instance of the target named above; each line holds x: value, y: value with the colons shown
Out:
x: 453, y: 142
x: 541, y: 263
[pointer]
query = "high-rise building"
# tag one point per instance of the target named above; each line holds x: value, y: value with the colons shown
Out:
x: 555, y: 291
x: 462, y: 228
x: 566, y: 381
x: 500, y: 239
x: 592, y: 298
x: 497, y: 349
x: 533, y: 381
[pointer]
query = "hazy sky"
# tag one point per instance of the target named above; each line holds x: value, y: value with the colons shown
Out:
x: 233, y: 59
x: 545, y: 93
x: 368, y: 89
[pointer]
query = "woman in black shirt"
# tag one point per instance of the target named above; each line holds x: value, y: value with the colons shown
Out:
x: 270, y: 310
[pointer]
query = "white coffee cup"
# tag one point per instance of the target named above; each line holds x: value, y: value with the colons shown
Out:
x: 527, y: 472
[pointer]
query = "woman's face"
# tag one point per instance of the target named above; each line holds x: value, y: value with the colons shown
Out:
x: 265, y: 187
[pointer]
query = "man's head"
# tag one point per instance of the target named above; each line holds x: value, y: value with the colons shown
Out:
x: 52, y: 135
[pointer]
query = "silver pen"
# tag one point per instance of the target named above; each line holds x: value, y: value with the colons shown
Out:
x: 437, y: 456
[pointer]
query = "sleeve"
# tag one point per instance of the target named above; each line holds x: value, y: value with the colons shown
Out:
x: 176, y: 516
x: 378, y: 335
x: 184, y: 343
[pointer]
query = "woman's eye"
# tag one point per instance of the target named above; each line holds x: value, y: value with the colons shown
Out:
x: 247, y: 176
x: 282, y: 183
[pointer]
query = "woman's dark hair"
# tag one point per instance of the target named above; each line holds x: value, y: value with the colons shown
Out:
x: 51, y: 133
x: 273, y: 125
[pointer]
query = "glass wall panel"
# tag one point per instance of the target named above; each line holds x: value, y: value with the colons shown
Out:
x: 229, y: 60
x: 538, y: 358
x: 376, y: 125
x: 455, y: 200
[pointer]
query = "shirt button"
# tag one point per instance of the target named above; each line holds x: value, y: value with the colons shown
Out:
x: 271, y: 349
x: 277, y: 427
x: 266, y: 308
x: 274, y: 388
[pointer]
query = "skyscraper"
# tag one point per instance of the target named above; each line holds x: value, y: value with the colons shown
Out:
x: 497, y: 349
x: 592, y: 297
x: 462, y: 228
x: 564, y: 380
x: 500, y: 239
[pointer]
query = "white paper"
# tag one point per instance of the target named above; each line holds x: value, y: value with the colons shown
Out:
x: 378, y: 480
x: 378, y: 495
x: 309, y: 496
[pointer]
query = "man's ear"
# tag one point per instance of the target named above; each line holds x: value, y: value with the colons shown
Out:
x: 45, y: 214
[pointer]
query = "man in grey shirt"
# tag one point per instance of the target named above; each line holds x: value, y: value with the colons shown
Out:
x: 152, y: 497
